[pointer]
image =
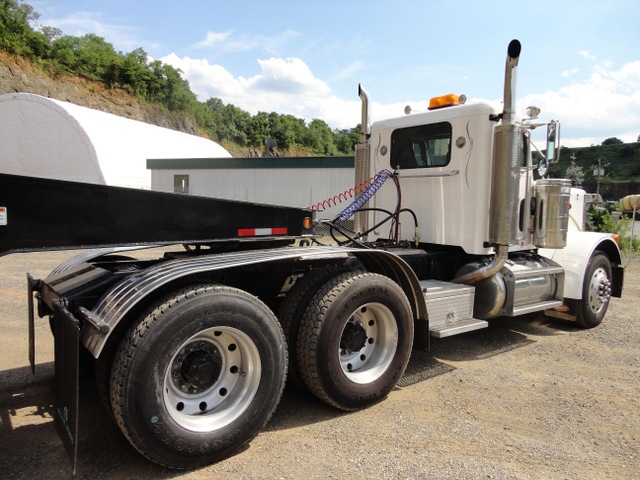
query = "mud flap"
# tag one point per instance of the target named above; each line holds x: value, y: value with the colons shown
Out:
x: 31, y: 285
x: 67, y: 345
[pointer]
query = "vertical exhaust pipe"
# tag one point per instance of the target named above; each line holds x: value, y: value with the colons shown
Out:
x: 505, y: 178
x: 507, y: 158
x: 364, y: 124
x: 362, y: 168
x: 513, y: 55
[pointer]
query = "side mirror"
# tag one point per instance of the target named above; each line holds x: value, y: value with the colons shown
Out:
x: 553, y: 142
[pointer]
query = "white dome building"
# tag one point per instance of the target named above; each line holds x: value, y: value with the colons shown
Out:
x: 43, y: 137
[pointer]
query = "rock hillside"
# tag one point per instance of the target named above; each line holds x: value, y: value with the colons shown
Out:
x: 20, y: 76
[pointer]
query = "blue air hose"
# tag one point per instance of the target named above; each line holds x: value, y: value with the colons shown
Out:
x: 365, y: 196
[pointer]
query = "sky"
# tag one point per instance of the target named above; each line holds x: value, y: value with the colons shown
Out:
x: 580, y: 60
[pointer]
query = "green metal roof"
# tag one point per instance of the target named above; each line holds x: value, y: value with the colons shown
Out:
x: 249, y: 163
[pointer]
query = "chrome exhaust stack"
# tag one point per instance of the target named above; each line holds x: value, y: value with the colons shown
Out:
x: 509, y: 105
x: 362, y: 168
x: 507, y: 161
x: 364, y: 122
x: 505, y: 178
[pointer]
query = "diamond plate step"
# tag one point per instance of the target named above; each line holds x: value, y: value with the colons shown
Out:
x: 454, y: 328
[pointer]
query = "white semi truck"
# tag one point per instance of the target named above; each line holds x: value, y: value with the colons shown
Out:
x: 192, y: 350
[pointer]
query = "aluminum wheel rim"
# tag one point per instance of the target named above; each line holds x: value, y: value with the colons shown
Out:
x: 368, y: 363
x: 599, y: 290
x: 205, y: 408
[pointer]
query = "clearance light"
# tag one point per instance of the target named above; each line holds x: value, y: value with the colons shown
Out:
x: 446, y: 101
x: 616, y: 238
x: 306, y: 223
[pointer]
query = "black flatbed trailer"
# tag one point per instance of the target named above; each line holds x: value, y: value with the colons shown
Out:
x: 38, y: 214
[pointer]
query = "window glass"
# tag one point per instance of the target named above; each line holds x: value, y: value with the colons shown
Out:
x: 422, y: 146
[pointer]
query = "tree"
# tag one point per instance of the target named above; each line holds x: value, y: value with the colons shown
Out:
x: 575, y: 173
x: 287, y: 130
x: 612, y: 141
x: 320, y: 138
x: 258, y: 129
x: 90, y: 55
x: 16, y: 35
x: 51, y: 33
x: 133, y: 72
x: 346, y: 140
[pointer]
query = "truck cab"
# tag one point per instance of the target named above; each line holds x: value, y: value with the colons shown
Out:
x: 443, y: 160
x: 484, y: 214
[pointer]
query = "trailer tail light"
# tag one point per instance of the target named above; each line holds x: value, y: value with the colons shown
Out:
x: 446, y: 101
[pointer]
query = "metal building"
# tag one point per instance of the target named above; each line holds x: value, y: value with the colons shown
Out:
x: 292, y: 181
x: 48, y: 138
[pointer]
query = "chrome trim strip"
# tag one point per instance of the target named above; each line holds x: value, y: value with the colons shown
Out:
x: 429, y: 175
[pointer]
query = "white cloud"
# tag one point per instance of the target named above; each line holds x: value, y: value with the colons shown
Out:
x: 213, y: 39
x: 570, y: 72
x: 587, y: 55
x: 606, y: 104
x: 227, y: 42
x: 283, y: 85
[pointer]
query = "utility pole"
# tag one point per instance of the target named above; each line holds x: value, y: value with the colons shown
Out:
x: 598, y: 173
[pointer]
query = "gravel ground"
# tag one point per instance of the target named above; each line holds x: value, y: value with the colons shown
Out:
x: 526, y: 398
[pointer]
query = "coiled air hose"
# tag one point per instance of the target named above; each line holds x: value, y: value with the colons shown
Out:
x: 359, y: 202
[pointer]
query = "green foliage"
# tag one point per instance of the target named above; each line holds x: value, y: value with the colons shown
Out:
x: 612, y: 141
x: 621, y: 161
x: 91, y: 57
x: 575, y: 174
x: 599, y: 219
x: 320, y: 138
x: 88, y: 56
x: 16, y: 35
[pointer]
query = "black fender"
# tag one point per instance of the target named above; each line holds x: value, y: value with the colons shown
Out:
x: 132, y: 291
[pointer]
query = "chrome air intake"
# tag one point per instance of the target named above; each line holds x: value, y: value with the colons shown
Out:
x: 505, y: 185
x: 362, y: 168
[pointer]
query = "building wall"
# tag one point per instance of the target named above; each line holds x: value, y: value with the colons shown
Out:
x: 299, y: 182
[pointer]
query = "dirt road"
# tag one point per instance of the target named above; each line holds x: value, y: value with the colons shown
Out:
x: 527, y: 398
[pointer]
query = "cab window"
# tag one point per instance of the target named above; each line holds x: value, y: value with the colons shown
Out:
x: 422, y: 146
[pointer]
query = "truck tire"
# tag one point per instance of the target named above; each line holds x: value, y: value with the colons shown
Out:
x: 199, y: 376
x: 103, y: 376
x: 596, y: 291
x: 355, y: 340
x: 292, y: 309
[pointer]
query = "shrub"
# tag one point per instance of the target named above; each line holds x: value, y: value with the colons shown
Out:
x: 600, y: 220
